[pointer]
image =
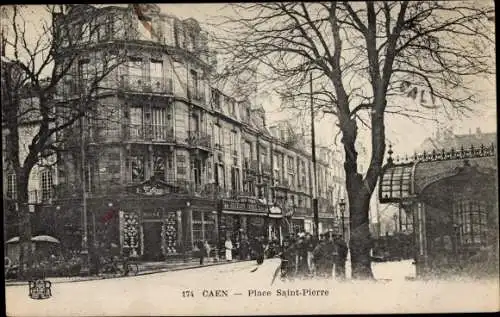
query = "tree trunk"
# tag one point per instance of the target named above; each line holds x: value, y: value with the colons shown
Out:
x: 359, y: 243
x: 359, y: 202
x: 24, y: 216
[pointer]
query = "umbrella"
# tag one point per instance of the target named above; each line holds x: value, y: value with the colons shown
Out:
x: 44, y: 238
x: 13, y: 240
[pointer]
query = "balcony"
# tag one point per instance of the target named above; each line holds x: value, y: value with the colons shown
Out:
x: 144, y: 84
x: 266, y: 168
x: 197, y: 95
x: 150, y: 132
x: 199, y: 139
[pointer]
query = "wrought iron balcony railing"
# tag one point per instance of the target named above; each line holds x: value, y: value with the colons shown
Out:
x: 138, y: 83
x: 199, y: 139
x: 197, y: 95
x: 139, y: 132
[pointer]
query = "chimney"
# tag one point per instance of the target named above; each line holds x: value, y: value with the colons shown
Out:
x: 478, y: 130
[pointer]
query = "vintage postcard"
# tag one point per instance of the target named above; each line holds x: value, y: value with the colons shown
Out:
x: 249, y: 158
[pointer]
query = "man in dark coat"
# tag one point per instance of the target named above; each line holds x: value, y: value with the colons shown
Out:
x: 287, y: 256
x: 342, y: 250
x: 244, y: 246
x: 319, y: 256
x: 258, y: 248
x: 301, y: 257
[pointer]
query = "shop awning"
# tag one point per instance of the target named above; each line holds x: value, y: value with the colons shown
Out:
x: 395, y: 183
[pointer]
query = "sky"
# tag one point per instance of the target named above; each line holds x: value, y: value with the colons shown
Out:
x: 405, y: 135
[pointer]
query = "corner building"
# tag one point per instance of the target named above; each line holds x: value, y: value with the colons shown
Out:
x: 168, y: 159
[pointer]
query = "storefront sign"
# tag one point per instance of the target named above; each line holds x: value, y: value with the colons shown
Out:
x: 275, y: 212
x: 243, y: 204
x: 325, y: 215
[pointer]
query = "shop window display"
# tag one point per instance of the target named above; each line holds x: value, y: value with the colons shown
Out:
x: 169, y: 234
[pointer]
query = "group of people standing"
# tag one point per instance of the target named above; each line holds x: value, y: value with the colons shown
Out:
x: 304, y: 256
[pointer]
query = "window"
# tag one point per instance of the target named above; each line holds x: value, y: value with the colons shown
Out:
x: 46, y: 184
x: 233, y: 108
x: 216, y: 98
x: 203, y: 227
x: 471, y: 218
x: 11, y: 186
x: 277, y: 163
x: 263, y: 155
x: 108, y: 29
x: 234, y: 143
x: 194, y: 87
x: 196, y: 171
x: 235, y: 178
x: 217, y: 136
x: 167, y: 32
x: 137, y: 168
x: 136, y: 123
x: 192, y: 42
x: 181, y: 166
x: 170, y: 167
x: 159, y: 167
x: 84, y: 72
x: 179, y: 35
x: 291, y: 172
x: 156, y: 70
x: 247, y: 154
x: 134, y: 66
x: 159, y: 123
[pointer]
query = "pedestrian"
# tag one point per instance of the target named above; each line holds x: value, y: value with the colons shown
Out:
x: 310, y: 245
x: 207, y: 249
x: 287, y: 256
x: 319, y: 257
x: 244, y: 246
x: 342, y: 250
x: 259, y: 250
x: 301, y: 256
x: 228, y: 245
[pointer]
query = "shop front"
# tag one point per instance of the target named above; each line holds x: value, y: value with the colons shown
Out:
x: 243, y: 217
x: 276, y: 227
x: 452, y: 198
x: 299, y: 219
x: 326, y: 222
x: 152, y: 221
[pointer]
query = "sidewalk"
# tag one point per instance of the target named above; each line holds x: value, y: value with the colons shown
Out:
x: 144, y: 268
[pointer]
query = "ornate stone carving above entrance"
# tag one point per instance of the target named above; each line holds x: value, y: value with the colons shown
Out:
x: 154, y: 187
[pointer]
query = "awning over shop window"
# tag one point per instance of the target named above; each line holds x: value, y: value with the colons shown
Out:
x: 395, y: 183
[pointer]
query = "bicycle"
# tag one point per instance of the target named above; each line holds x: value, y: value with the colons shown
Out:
x: 122, y: 266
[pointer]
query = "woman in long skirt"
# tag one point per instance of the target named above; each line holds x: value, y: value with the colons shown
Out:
x: 229, y: 249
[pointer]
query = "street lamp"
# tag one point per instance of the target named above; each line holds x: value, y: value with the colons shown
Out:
x: 342, y: 212
x: 216, y: 229
x: 395, y: 217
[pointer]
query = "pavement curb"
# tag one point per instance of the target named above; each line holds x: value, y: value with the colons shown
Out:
x: 148, y: 272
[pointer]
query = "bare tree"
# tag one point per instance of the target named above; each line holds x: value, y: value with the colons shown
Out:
x: 362, y: 56
x: 45, y: 90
